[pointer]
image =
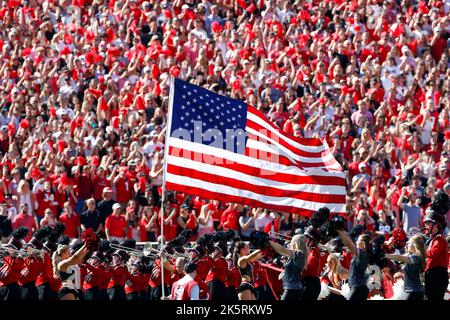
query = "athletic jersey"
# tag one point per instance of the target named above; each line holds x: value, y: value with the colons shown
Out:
x: 71, y: 278
x: 185, y: 289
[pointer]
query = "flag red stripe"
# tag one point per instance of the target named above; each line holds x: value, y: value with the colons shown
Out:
x: 255, y: 153
x: 229, y: 198
x: 304, y: 141
x: 263, y: 190
x: 254, y: 171
x: 271, y: 135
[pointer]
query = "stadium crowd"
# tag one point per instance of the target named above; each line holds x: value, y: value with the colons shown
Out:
x: 84, y: 88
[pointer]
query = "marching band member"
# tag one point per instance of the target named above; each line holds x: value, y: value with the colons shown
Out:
x: 296, y: 263
x: 310, y: 276
x: 105, y: 277
x: 12, y: 266
x: 233, y: 278
x: 33, y: 265
x: 187, y: 287
x: 203, y: 261
x: 94, y: 276
x: 119, y: 275
x: 216, y: 275
x: 66, y: 266
x: 155, y: 278
x: 436, y: 274
x: 46, y: 284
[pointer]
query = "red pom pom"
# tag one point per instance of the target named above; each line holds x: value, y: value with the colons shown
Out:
x: 90, y: 239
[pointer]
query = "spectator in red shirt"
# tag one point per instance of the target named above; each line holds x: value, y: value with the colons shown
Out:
x: 116, y: 225
x: 71, y: 221
x: 23, y: 219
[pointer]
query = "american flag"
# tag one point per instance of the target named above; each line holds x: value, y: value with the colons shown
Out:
x: 223, y: 149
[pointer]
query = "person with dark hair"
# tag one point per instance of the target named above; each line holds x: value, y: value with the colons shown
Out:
x: 187, y: 288
x: 241, y: 259
x: 358, y: 265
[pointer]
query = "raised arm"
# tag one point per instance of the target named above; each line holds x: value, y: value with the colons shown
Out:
x: 76, y: 258
x: 347, y: 241
x: 280, y: 249
x: 255, y: 255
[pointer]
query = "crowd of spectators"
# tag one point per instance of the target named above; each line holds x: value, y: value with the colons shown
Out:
x: 84, y: 88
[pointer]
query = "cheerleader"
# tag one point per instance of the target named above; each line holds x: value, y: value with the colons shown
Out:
x: 241, y: 259
x: 358, y: 265
x: 66, y: 267
x: 334, y: 277
x: 294, y: 266
x: 414, y: 266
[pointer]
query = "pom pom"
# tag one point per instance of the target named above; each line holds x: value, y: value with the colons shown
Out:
x: 400, y: 238
x: 345, y: 290
x: 324, y: 291
x: 259, y: 240
x: 398, y: 289
x: 320, y: 217
x: 90, y: 239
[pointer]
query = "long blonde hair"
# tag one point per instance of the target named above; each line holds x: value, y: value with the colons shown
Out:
x: 300, y: 241
x: 56, y: 258
x: 419, y: 244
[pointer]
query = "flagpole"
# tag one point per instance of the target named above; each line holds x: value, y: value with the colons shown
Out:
x: 163, y: 188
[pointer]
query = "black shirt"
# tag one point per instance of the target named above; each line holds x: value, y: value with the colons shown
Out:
x: 91, y: 219
x: 292, y: 271
x: 357, y: 272
x: 105, y: 209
